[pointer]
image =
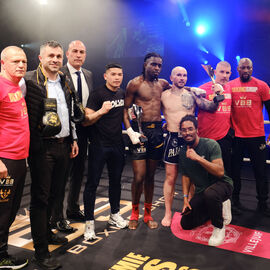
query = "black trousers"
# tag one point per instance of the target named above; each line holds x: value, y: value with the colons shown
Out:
x: 257, y: 151
x: 113, y: 156
x: 10, y: 198
x: 226, y: 150
x: 77, y: 170
x: 207, y: 205
x: 48, y: 168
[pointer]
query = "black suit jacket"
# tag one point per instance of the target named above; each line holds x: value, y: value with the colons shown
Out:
x: 87, y: 74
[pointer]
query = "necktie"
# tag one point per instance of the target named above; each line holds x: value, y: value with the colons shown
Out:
x: 79, y: 85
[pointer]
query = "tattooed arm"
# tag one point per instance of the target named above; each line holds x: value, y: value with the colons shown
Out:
x: 205, y: 104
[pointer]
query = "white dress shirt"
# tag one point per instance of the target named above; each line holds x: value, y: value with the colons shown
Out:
x: 74, y: 76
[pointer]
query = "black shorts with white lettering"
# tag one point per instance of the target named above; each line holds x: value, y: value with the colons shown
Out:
x: 153, y: 148
x: 172, y: 145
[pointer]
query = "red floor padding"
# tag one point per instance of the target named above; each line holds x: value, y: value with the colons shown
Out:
x: 237, y: 239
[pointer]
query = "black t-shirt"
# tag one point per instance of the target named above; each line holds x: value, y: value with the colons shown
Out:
x: 107, y: 131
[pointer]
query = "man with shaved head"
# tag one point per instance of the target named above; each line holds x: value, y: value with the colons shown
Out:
x: 81, y: 81
x: 217, y: 125
x: 177, y: 102
x: 249, y: 94
x: 14, y: 146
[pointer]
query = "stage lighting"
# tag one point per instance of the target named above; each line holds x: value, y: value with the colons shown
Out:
x: 201, y: 29
x: 202, y: 48
x: 237, y: 58
x: 43, y: 2
x: 205, y: 62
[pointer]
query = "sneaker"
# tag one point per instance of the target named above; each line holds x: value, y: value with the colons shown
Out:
x: 89, y: 231
x: 12, y: 263
x: 226, y: 212
x: 56, y: 239
x: 118, y: 221
x: 46, y: 262
x: 63, y: 226
x: 76, y: 215
x: 217, y: 237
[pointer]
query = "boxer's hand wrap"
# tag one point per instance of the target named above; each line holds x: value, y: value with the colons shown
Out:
x: 133, y: 135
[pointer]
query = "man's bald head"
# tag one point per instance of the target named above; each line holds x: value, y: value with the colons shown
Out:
x: 245, y: 60
x: 13, y: 63
x: 76, y: 54
x: 223, y: 72
x: 245, y: 69
x: 8, y: 50
x: 178, y: 69
x: 76, y: 43
x: 179, y: 77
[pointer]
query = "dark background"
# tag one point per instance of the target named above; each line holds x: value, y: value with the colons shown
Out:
x: 125, y: 30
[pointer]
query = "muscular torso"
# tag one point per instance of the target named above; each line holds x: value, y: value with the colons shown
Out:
x: 147, y: 94
x: 175, y: 106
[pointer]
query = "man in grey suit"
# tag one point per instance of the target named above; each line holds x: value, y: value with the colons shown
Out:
x: 81, y: 80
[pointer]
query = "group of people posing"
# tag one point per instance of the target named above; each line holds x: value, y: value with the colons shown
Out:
x: 37, y: 122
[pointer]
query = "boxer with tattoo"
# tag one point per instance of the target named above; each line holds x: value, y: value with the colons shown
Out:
x: 177, y: 102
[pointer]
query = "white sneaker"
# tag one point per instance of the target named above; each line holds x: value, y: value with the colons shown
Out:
x: 89, y: 231
x: 217, y: 237
x: 227, y: 212
x: 118, y: 221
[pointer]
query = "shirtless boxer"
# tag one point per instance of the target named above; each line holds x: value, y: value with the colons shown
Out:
x: 145, y: 91
x: 176, y: 103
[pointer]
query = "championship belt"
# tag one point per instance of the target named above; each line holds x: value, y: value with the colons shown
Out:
x: 210, y: 71
x: 51, y: 124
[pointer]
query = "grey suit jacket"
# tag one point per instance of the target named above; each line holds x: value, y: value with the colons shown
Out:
x: 87, y: 74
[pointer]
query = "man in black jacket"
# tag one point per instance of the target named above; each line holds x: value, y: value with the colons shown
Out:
x: 49, y: 153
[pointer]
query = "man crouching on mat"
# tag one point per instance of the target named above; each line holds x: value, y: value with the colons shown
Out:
x: 200, y: 163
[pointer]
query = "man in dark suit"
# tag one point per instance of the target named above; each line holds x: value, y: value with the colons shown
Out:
x: 80, y: 80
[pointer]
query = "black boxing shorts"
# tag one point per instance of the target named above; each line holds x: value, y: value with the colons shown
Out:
x: 153, y: 148
x: 172, y: 145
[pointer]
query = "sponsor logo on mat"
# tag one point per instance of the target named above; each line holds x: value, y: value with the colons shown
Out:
x: 134, y: 261
x: 237, y: 238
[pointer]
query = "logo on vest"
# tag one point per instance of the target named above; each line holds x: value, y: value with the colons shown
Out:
x: 4, y: 193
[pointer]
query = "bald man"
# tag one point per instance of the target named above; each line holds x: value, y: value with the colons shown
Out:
x: 217, y: 125
x: 177, y: 102
x: 249, y: 94
x: 80, y: 80
x: 14, y: 146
